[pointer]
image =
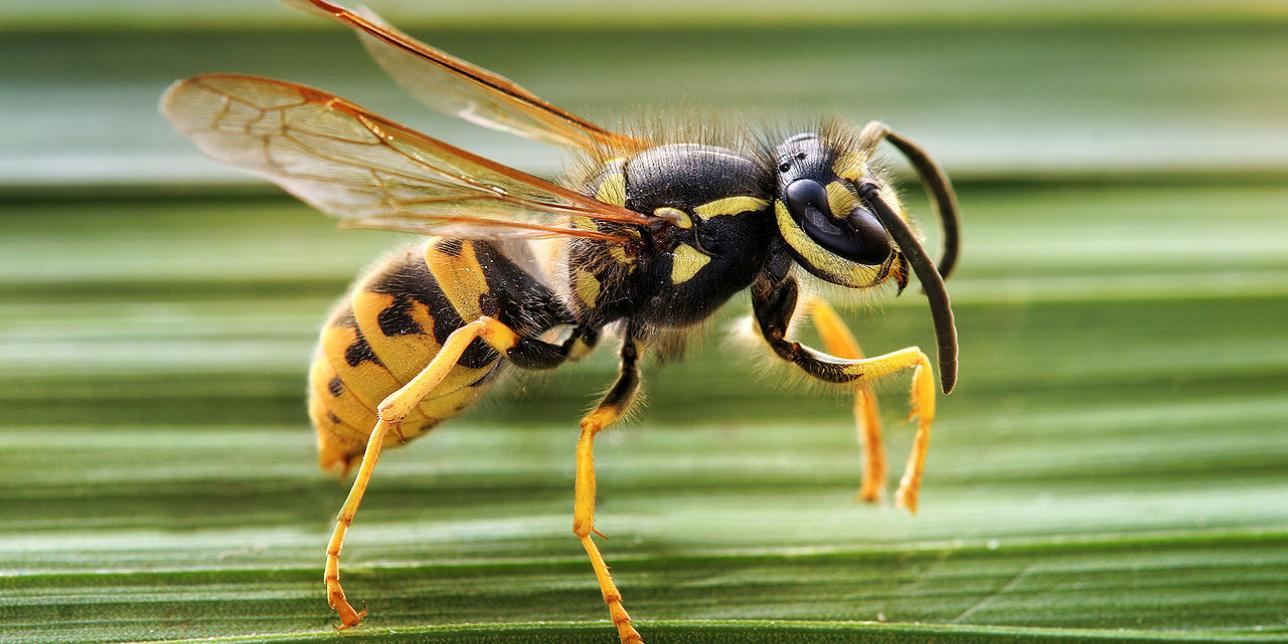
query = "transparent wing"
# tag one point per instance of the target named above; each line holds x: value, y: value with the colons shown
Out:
x: 369, y: 171
x: 459, y: 88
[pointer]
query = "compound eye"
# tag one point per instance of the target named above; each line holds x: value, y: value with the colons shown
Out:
x: 875, y: 243
x: 858, y: 237
x: 805, y: 195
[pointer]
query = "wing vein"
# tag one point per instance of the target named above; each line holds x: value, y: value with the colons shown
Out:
x: 372, y: 172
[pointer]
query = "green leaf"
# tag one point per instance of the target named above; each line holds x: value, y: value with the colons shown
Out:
x: 1112, y: 466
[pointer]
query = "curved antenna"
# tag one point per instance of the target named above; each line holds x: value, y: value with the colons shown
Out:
x: 935, y: 181
x: 932, y: 283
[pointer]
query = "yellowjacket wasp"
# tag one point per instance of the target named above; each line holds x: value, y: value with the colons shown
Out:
x: 650, y: 237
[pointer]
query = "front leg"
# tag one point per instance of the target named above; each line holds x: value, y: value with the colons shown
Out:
x: 614, y: 405
x: 774, y: 303
x: 838, y: 341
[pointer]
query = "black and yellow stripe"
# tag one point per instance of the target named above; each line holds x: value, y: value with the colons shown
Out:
x: 395, y: 320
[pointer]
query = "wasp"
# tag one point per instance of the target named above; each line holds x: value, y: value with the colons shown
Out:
x: 649, y: 237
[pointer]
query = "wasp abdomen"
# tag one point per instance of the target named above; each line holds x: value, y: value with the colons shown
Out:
x: 383, y: 333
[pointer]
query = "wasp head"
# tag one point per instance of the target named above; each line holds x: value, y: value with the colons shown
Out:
x: 844, y: 225
x: 828, y: 228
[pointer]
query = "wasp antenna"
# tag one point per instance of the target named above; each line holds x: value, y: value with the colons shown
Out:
x: 936, y: 182
x: 932, y: 282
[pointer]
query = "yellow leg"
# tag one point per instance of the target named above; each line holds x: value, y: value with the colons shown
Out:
x: 334, y: 592
x: 775, y: 303
x: 923, y: 409
x: 610, y: 409
x: 392, y: 411
x: 839, y: 342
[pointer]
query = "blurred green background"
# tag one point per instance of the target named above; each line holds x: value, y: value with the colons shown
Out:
x: 1113, y: 465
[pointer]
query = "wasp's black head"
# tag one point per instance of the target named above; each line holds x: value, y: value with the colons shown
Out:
x: 828, y: 229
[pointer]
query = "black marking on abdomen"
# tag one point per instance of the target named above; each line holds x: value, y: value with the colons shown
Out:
x: 360, y: 351
x: 396, y: 319
x: 409, y: 279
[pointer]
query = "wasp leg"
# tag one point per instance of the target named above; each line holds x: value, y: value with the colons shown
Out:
x: 392, y: 411
x: 867, y: 417
x: 774, y: 303
x: 614, y: 404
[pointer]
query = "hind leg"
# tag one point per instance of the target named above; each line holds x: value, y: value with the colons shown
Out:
x: 392, y: 411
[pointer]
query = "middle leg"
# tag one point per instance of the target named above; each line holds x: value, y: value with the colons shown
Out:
x: 613, y: 406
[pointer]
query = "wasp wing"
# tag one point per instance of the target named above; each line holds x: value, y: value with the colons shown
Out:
x: 459, y: 88
x: 369, y: 171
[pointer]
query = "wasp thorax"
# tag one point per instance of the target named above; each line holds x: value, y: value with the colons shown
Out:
x: 821, y: 217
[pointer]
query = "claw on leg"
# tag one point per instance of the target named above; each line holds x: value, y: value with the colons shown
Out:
x: 335, y: 596
x: 584, y: 525
x: 774, y: 302
x: 391, y: 412
x: 334, y: 592
x: 621, y: 619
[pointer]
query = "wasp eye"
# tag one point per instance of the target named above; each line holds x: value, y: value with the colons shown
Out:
x: 806, y: 196
x: 856, y: 235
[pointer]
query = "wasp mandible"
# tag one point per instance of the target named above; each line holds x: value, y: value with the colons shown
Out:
x: 649, y: 236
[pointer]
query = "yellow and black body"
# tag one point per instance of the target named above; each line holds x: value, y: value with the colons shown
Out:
x: 713, y: 234
x: 394, y: 320
x: 513, y: 272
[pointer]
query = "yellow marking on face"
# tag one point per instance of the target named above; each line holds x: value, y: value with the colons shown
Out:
x: 851, y: 165
x: 730, y: 206
x: 686, y: 263
x: 840, y: 200
x: 676, y: 215
x: 834, y: 268
x: 587, y: 287
x: 612, y: 190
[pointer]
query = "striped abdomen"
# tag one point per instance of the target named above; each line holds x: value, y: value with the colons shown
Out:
x: 384, y: 332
